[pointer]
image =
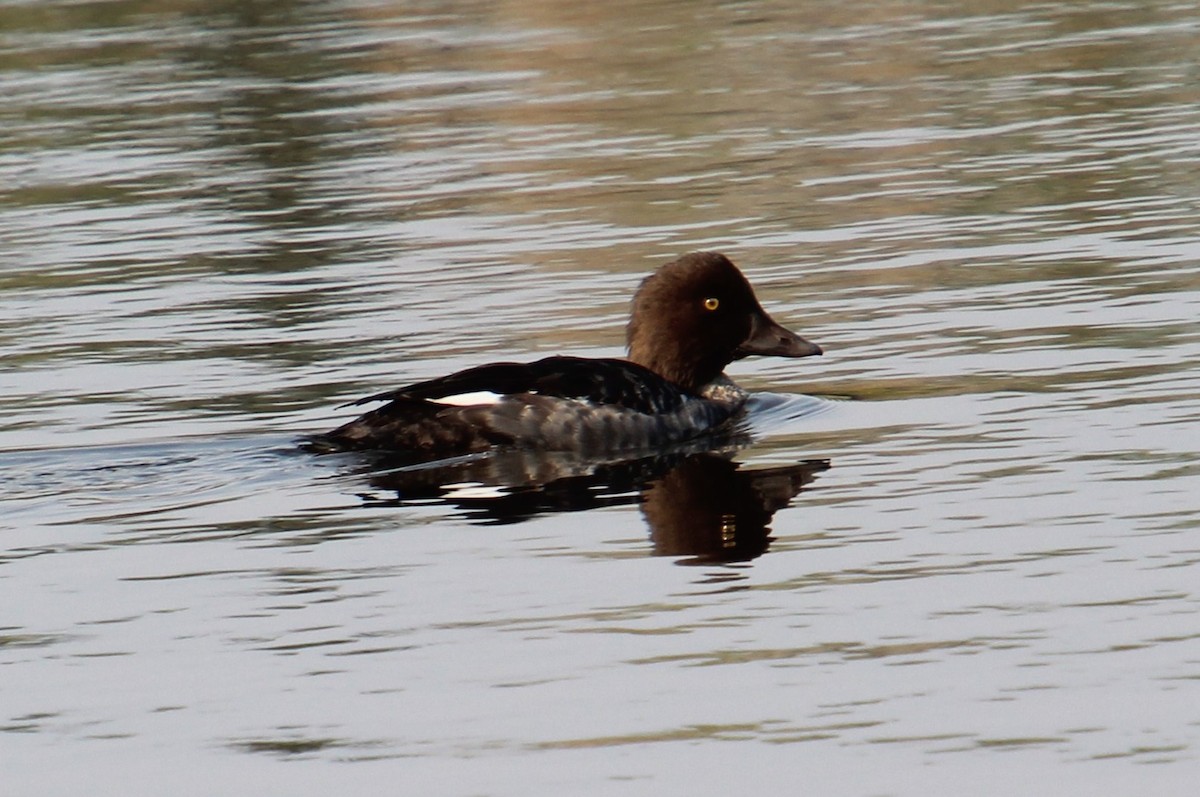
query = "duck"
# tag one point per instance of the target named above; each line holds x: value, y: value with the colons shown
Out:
x: 689, y: 320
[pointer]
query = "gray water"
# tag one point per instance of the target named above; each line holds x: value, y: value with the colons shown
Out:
x: 219, y: 221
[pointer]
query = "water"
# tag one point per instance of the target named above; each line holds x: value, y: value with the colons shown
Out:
x: 220, y: 220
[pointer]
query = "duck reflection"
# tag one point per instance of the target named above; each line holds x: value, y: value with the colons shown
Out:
x: 701, y: 506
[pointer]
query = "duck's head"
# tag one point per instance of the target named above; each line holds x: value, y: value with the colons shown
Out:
x: 697, y: 314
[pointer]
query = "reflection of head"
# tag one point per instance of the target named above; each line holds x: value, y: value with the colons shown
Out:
x: 709, y: 509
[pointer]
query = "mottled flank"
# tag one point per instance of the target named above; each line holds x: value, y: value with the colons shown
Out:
x: 525, y: 420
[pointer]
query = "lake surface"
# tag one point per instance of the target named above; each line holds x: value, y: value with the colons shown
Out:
x: 219, y: 221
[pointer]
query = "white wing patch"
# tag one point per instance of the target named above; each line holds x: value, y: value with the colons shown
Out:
x: 474, y: 490
x: 477, y: 399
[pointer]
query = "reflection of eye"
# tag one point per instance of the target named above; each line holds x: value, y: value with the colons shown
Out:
x: 712, y: 303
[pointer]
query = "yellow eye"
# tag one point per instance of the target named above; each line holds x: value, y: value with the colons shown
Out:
x: 712, y: 303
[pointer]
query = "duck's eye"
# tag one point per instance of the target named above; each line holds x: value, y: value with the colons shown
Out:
x: 712, y: 303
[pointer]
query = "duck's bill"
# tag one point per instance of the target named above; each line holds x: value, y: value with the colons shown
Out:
x: 770, y: 339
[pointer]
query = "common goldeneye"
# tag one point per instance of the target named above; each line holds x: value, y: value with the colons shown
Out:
x: 690, y: 319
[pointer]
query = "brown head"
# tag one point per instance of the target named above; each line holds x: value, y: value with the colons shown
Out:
x: 697, y: 314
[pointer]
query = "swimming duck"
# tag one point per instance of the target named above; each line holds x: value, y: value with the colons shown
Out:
x: 689, y: 320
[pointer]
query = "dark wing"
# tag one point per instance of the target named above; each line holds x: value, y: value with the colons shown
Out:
x: 603, y: 381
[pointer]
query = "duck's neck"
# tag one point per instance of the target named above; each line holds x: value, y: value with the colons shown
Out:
x: 683, y: 368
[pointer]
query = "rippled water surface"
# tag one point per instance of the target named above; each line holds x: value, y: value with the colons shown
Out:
x: 974, y: 564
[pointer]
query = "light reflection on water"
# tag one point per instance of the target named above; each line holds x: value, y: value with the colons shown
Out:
x: 219, y: 221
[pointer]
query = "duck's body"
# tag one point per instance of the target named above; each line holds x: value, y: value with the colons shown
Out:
x: 559, y: 403
x: 690, y: 319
